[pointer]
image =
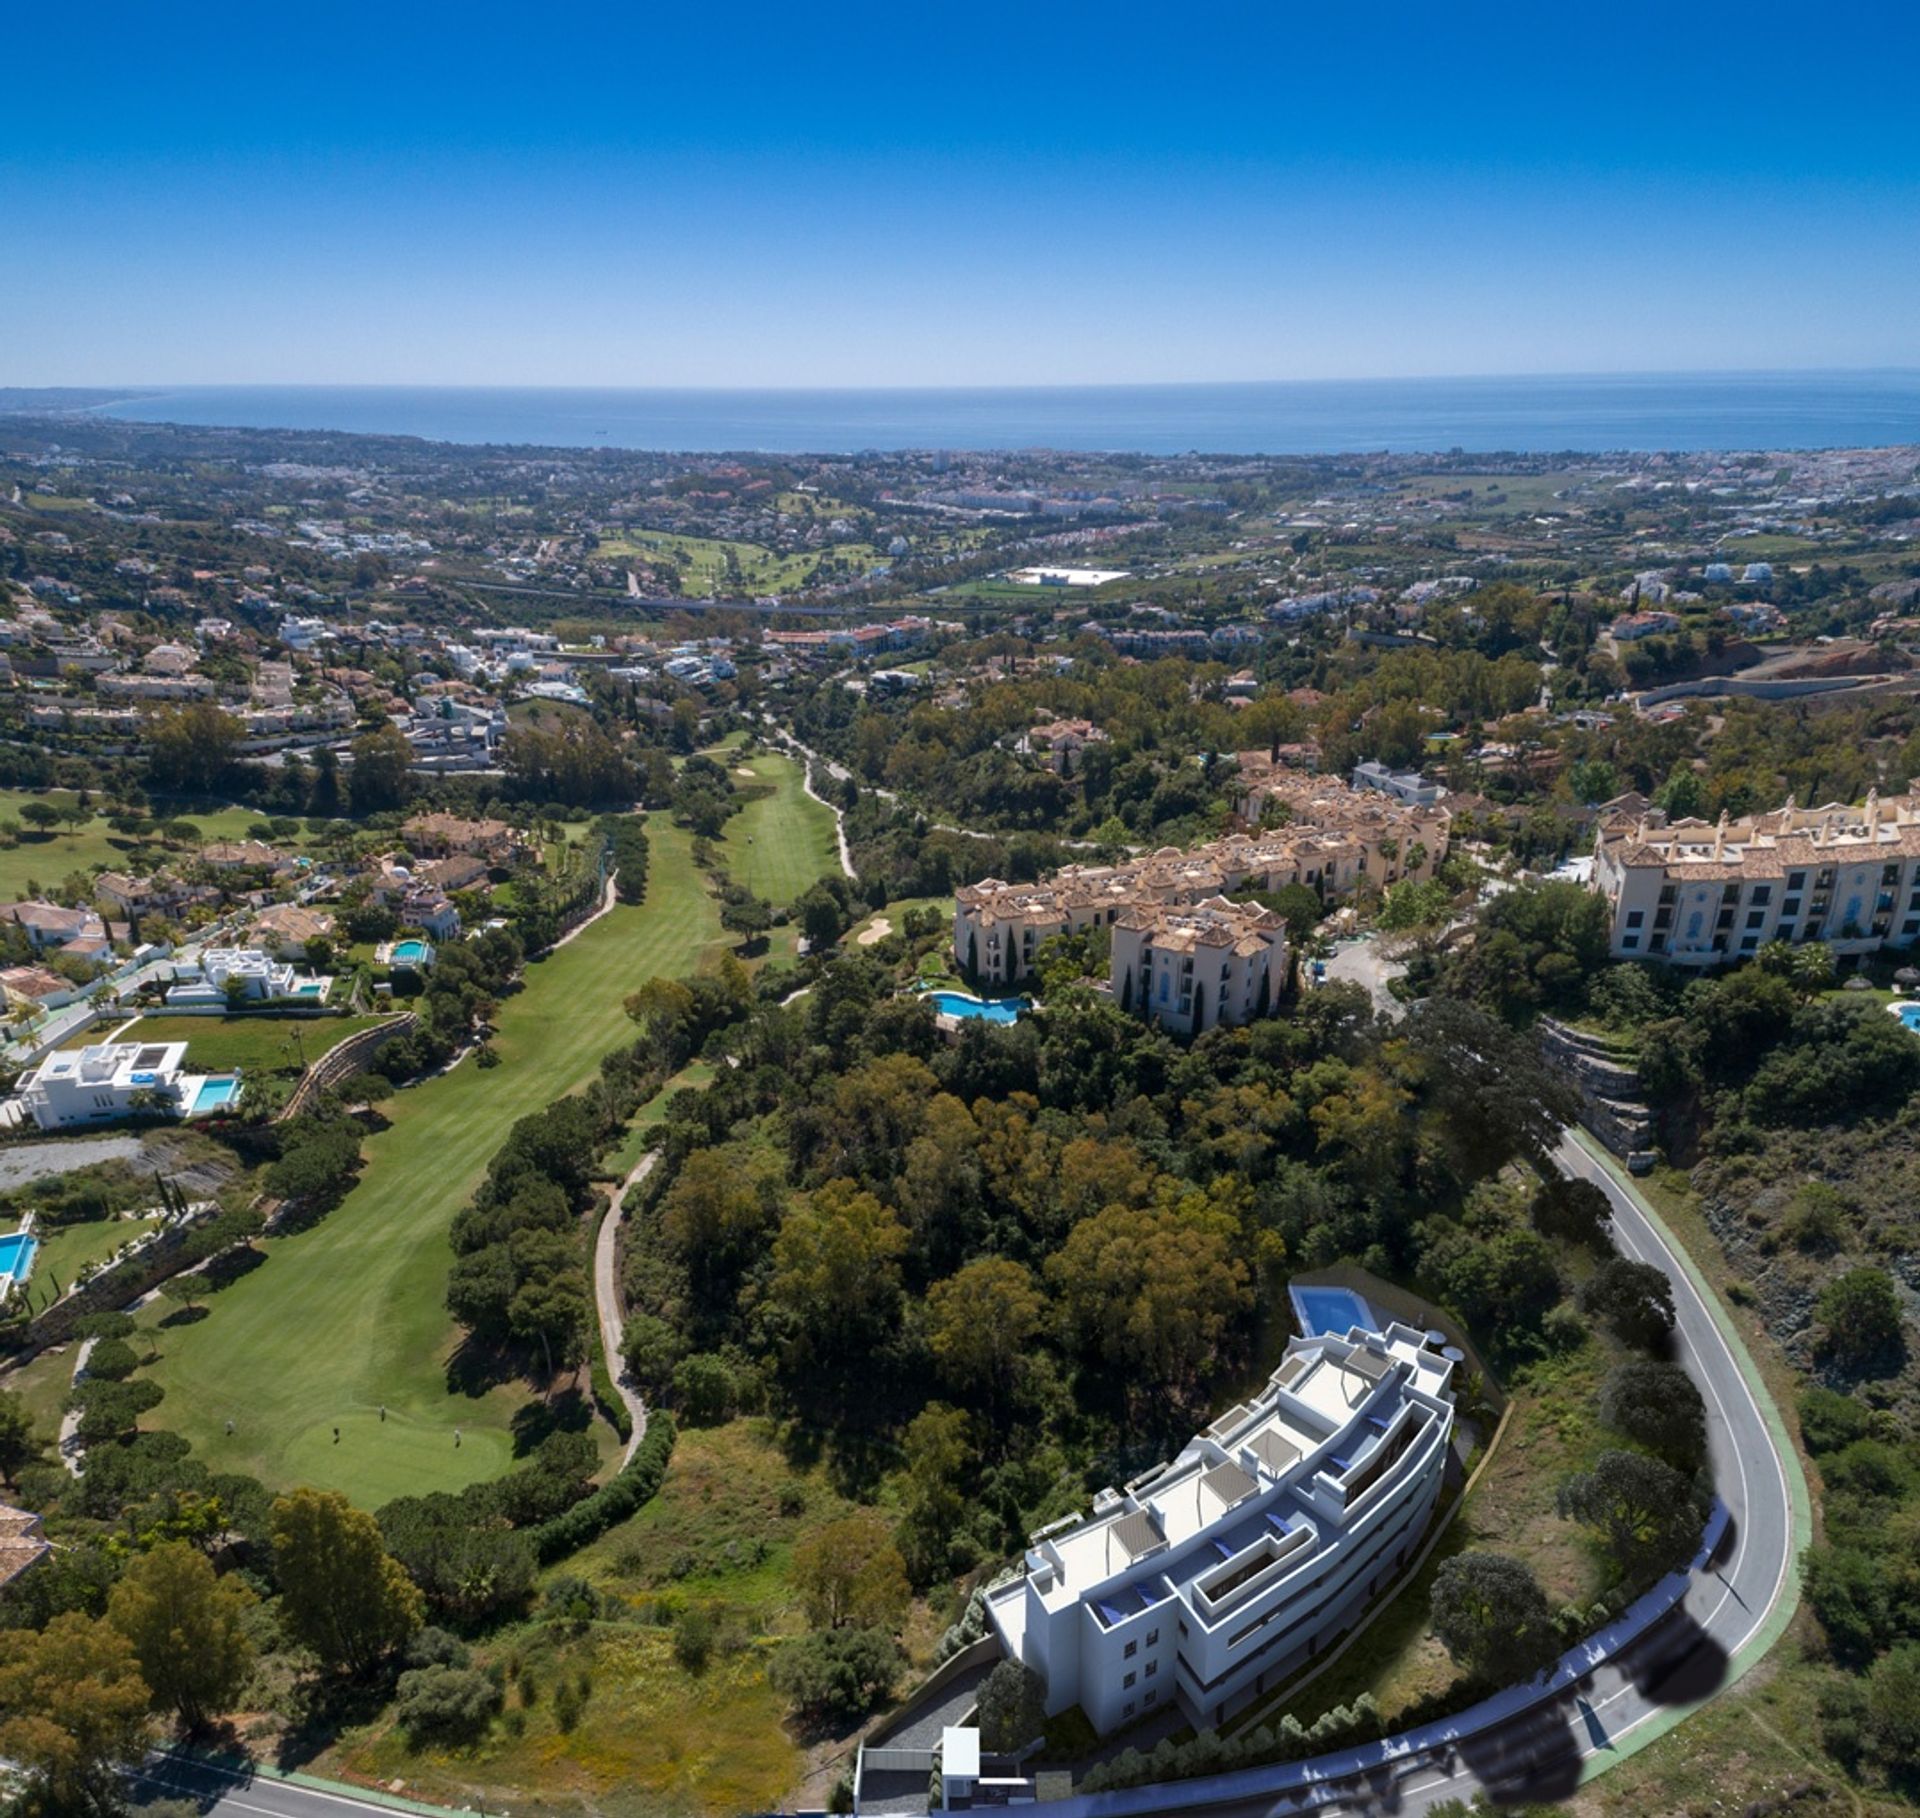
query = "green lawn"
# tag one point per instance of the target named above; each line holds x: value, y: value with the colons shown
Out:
x: 703, y: 565
x: 781, y: 845
x: 258, y: 1044
x: 348, y: 1316
x: 46, y: 858
x: 65, y: 1251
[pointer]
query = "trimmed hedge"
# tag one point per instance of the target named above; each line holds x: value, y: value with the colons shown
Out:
x: 1211, y: 1753
x: 609, y: 1399
x: 615, y: 1500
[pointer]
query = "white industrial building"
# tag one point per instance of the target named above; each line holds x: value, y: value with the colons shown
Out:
x: 1217, y: 1577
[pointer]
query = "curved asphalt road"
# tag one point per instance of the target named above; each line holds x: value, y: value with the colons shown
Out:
x: 1539, y: 1755
x: 1685, y: 1657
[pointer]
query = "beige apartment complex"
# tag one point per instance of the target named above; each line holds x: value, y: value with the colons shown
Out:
x: 1194, y: 968
x: 1168, y: 912
x: 1698, y: 893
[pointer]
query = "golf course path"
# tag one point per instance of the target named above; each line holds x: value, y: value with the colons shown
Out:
x: 607, y: 899
x: 808, y: 758
x: 70, y: 1447
x: 606, y: 1299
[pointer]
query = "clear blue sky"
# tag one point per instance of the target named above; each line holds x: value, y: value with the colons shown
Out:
x: 751, y: 195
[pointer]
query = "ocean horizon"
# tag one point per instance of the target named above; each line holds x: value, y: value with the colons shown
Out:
x: 1590, y: 414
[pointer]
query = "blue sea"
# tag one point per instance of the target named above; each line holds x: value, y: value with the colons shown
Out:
x: 1678, y: 412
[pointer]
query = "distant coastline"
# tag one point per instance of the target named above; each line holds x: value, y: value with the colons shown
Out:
x: 1680, y: 412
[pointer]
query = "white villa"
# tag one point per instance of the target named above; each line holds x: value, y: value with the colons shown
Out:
x: 261, y: 977
x: 1699, y: 893
x: 1214, y: 1578
x: 110, y: 1080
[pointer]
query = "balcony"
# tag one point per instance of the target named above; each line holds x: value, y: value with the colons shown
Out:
x: 1243, y: 1577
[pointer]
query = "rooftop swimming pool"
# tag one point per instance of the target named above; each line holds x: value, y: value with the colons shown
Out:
x: 1335, y: 1310
x: 974, y: 1009
x: 16, y: 1259
x: 216, y: 1094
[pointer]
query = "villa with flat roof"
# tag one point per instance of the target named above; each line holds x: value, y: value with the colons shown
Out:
x: 109, y: 1080
x: 1217, y: 1577
x: 247, y: 972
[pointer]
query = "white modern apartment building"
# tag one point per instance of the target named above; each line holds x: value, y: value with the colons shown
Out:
x: 110, y: 1080
x: 1191, y: 969
x: 1214, y: 1578
x: 1698, y: 893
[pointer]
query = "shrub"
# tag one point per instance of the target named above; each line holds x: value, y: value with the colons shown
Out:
x: 608, y: 1400
x: 104, y: 1325
x: 637, y: 1483
x: 112, y: 1360
x: 432, y: 1647
x: 1860, y: 1314
x: 445, y: 1703
x: 574, y: 1599
x: 1848, y: 1591
x: 693, y: 1638
x: 1830, y: 1420
x: 1012, y: 1707
x: 836, y: 1675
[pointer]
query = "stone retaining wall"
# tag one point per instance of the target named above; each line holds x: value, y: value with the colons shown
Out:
x: 1612, y: 1100
x: 344, y: 1059
x: 112, y: 1288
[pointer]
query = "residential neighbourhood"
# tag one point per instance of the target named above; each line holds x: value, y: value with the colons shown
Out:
x: 997, y: 1126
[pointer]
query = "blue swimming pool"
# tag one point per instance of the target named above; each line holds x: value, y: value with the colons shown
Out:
x: 1909, y: 1015
x: 16, y: 1258
x: 216, y: 1094
x: 957, y: 1003
x: 410, y: 953
x: 1331, y: 1310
